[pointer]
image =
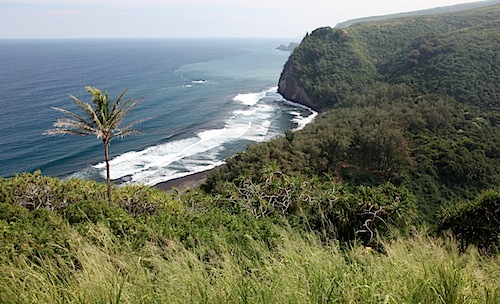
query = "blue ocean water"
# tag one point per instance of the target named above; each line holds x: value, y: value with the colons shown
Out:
x: 209, y: 98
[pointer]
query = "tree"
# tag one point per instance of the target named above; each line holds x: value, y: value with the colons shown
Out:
x: 102, y: 118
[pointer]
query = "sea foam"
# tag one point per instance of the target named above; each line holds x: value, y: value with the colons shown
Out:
x: 250, y: 99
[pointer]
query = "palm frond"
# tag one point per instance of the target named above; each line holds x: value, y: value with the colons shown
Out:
x: 89, y: 110
x: 122, y: 111
x: 118, y: 101
x: 67, y: 123
x: 65, y: 131
x: 134, y: 103
x: 124, y: 133
x: 75, y: 116
x: 93, y: 91
x: 135, y: 123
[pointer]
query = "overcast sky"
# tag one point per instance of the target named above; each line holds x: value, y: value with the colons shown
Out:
x: 188, y: 18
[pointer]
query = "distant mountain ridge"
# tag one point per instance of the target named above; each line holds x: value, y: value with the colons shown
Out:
x: 433, y: 11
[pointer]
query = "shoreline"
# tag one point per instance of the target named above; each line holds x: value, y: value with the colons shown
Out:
x: 184, y: 183
x: 195, y: 180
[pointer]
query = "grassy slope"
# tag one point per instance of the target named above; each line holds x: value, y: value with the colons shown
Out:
x: 62, y: 243
x: 299, y: 270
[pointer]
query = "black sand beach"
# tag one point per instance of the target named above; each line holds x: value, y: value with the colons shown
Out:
x: 183, y: 183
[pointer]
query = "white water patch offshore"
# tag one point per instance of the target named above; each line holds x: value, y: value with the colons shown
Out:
x: 251, y: 121
x: 250, y: 99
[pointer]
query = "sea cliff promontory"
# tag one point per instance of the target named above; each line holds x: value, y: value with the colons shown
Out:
x: 453, y: 54
x: 413, y: 100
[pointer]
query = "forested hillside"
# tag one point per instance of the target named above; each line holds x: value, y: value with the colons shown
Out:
x: 432, y: 11
x: 453, y: 54
x: 412, y: 101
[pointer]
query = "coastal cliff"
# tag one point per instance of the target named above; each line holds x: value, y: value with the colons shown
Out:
x: 326, y: 65
x: 414, y: 101
x: 291, y: 89
x: 446, y: 54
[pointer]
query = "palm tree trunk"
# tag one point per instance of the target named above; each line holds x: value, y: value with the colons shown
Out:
x: 108, y: 176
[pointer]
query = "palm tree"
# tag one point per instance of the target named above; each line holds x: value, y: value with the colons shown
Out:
x: 102, y: 119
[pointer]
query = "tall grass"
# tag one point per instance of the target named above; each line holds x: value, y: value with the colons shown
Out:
x: 300, y: 269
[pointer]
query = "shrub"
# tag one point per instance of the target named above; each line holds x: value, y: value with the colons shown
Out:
x: 475, y: 222
x: 204, y: 230
x: 140, y: 200
x: 28, y: 197
x: 363, y: 212
x: 33, y: 191
x: 31, y: 233
x: 86, y: 214
x: 335, y: 210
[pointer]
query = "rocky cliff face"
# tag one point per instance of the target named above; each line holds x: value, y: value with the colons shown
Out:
x: 290, y: 88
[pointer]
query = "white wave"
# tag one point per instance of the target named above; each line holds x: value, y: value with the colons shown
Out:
x: 258, y: 132
x: 249, y: 112
x: 302, y: 121
x: 272, y: 90
x: 132, y: 163
x: 172, y: 174
x: 250, y: 99
x: 299, y: 119
x: 181, y: 157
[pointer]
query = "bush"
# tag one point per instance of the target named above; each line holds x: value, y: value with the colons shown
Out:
x: 475, y: 222
x: 33, y: 191
x: 86, y: 214
x: 30, y: 202
x: 363, y: 212
x: 204, y: 230
x: 31, y: 233
x: 322, y: 205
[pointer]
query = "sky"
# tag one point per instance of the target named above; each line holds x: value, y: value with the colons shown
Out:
x: 188, y: 18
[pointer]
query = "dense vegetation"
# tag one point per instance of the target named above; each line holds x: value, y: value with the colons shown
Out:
x: 438, y: 149
x: 391, y: 195
x: 61, y: 242
x: 433, y: 11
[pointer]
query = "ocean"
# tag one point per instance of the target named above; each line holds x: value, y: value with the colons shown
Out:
x: 208, y: 99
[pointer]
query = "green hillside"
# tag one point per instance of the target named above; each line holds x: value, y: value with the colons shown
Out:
x: 449, y: 54
x: 62, y: 242
x: 433, y: 11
